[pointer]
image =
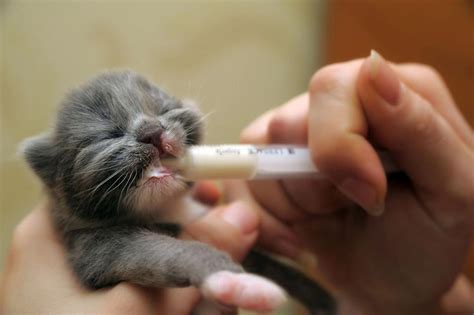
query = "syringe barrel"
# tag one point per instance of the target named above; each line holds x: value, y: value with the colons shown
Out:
x: 247, y: 162
x: 219, y: 162
x: 283, y: 162
x: 251, y: 162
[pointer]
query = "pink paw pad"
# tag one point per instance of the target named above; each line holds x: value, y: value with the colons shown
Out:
x: 243, y: 290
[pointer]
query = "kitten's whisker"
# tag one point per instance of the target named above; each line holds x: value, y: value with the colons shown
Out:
x: 205, y: 116
x: 91, y: 194
x: 180, y: 177
x: 85, y: 172
x: 125, y: 187
x: 112, y: 188
x: 103, y: 182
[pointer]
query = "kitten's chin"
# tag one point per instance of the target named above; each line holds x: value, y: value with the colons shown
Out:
x: 154, y: 191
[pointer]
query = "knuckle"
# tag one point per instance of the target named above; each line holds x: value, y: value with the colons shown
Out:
x: 426, y: 73
x: 429, y: 72
x: 327, y: 79
x: 422, y: 121
x: 21, y: 235
x: 323, y: 156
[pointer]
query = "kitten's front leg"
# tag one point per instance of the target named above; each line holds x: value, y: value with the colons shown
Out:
x: 106, y: 256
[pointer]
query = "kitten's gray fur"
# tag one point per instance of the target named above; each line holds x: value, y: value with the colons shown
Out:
x: 107, y: 133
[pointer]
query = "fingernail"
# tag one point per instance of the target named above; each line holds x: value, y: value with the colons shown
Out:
x: 384, y: 79
x: 378, y: 209
x: 363, y: 194
x: 240, y: 216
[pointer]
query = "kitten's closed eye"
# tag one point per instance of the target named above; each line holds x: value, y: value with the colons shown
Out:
x: 116, y: 133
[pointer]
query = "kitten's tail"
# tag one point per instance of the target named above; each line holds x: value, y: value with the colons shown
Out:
x: 317, y: 300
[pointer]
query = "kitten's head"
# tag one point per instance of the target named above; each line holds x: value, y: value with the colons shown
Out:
x: 104, y: 153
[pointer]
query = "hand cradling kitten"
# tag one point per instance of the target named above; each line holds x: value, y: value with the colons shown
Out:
x: 118, y: 210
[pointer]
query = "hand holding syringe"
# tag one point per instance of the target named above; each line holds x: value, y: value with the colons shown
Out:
x: 250, y: 162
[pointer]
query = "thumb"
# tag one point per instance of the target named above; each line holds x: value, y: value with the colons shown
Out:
x: 422, y: 142
x: 232, y: 228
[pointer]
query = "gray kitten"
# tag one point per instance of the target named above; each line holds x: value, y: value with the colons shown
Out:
x: 118, y: 210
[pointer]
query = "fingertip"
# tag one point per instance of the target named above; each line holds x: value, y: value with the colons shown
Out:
x: 289, y: 123
x: 207, y: 192
x: 418, y: 136
x: 240, y: 215
x: 232, y: 228
x: 277, y: 237
x: 240, y: 224
x: 286, y: 129
x: 273, y: 234
x: 378, y: 80
x: 256, y: 132
x: 284, y: 124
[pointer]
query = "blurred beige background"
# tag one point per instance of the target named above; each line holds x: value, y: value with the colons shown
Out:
x: 236, y: 58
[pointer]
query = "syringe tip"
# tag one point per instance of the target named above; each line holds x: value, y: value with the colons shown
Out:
x: 172, y: 163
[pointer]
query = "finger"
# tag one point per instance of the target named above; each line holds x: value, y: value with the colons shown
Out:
x: 232, y: 228
x: 37, y: 254
x: 34, y: 236
x: 460, y: 298
x: 206, y: 192
x: 434, y: 156
x: 274, y: 235
x: 176, y: 301
x: 123, y: 298
x: 314, y: 196
x: 256, y: 132
x: 271, y: 195
x: 290, y: 200
x: 295, y: 112
x: 289, y: 125
x: 429, y: 84
x: 337, y: 137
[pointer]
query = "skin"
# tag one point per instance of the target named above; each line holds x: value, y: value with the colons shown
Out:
x: 369, y: 261
x: 37, y: 255
x: 402, y: 248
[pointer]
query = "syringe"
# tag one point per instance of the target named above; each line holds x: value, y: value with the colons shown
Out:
x: 241, y: 161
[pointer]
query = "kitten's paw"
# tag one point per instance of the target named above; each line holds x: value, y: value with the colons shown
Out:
x: 243, y: 290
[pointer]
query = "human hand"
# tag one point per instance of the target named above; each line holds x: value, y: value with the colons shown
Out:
x: 38, y: 280
x: 404, y: 259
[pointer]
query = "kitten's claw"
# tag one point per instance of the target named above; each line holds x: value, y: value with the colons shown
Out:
x: 243, y: 290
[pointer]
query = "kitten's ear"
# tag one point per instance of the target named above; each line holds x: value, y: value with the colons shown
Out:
x: 40, y: 154
x: 191, y: 104
x: 192, y: 118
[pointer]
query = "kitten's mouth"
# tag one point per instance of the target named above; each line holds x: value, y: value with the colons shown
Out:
x: 155, y: 173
